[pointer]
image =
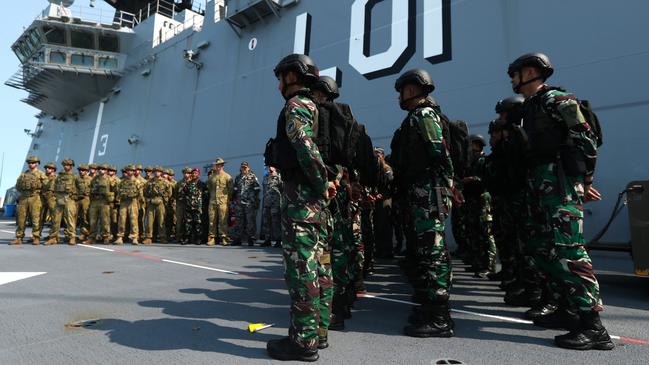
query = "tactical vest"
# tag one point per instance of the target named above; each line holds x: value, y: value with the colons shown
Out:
x: 128, y: 189
x: 285, y: 154
x: 29, y: 182
x: 66, y: 183
x: 48, y: 186
x: 410, y: 152
x: 100, y: 187
x: 83, y: 186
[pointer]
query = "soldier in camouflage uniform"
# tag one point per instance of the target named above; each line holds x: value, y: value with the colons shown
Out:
x: 180, y: 203
x: 272, y: 224
x: 306, y: 193
x: 561, y: 160
x: 171, y: 207
x: 102, y: 194
x: 47, y: 194
x: 245, y: 197
x: 92, y: 170
x: 83, y: 201
x: 478, y: 213
x: 193, y: 192
x: 220, y: 186
x: 129, y: 197
x: 156, y: 192
x: 424, y: 174
x: 114, y: 205
x: 142, y: 203
x: 29, y: 185
x: 66, y: 205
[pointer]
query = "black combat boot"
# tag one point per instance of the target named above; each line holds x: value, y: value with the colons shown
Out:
x: 236, y: 243
x: 285, y: 349
x: 523, y: 298
x: 266, y: 243
x: 323, y: 342
x: 540, y: 310
x: 278, y: 244
x: 338, y: 313
x: 561, y: 318
x: 251, y: 242
x: 496, y: 276
x: 436, y: 322
x: 590, y: 335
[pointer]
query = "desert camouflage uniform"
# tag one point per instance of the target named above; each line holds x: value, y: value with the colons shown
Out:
x: 66, y: 205
x: 29, y: 185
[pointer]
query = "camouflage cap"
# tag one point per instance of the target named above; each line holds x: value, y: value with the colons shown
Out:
x: 245, y: 163
x: 148, y: 168
x: 157, y: 168
x: 138, y: 166
x: 92, y: 166
x: 33, y: 159
x: 112, y: 168
x: 165, y: 171
x: 82, y: 167
x: 187, y: 170
x: 50, y: 165
x: 219, y: 161
x: 67, y: 161
x: 102, y: 166
x: 170, y: 172
x: 130, y: 167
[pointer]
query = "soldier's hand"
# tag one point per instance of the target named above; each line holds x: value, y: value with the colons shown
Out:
x: 457, y: 196
x: 591, y: 194
x: 330, y: 193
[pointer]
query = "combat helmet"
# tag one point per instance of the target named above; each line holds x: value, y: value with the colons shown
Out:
x: 33, y: 159
x: 328, y: 86
x: 67, y: 161
x: 187, y: 170
x: 509, y: 103
x: 477, y: 138
x: 415, y: 76
x: 534, y: 59
x: 303, y: 65
x: 50, y: 165
x: 82, y: 167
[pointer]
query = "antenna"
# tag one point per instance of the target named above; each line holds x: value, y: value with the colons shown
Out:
x: 64, y: 3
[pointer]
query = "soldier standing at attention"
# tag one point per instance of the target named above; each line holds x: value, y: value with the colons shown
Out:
x: 83, y: 201
x: 102, y: 193
x: 180, y: 204
x: 220, y: 186
x: 194, y: 192
x: 114, y: 205
x: 156, y: 192
x: 561, y: 163
x: 272, y: 226
x: 305, y: 196
x: 47, y: 194
x: 424, y: 174
x: 246, y: 201
x: 171, y: 207
x: 129, y: 196
x: 142, y: 203
x: 29, y: 185
x: 66, y: 205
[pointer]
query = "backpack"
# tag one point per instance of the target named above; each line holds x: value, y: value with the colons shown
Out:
x: 592, y: 120
x: 456, y: 135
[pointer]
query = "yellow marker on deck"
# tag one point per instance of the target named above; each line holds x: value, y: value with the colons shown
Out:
x: 641, y: 272
x: 256, y: 327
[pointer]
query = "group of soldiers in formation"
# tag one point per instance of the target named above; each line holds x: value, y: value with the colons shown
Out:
x: 147, y: 208
x: 522, y: 205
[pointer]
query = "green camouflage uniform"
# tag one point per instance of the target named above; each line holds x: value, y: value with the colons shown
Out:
x: 193, y: 191
x: 428, y: 193
x: 246, y: 201
x: 66, y: 205
x: 271, y: 216
x: 303, y: 223
x: 29, y: 185
x: 556, y: 204
x: 102, y: 194
x: 129, y: 196
x: 171, y: 210
x: 83, y: 204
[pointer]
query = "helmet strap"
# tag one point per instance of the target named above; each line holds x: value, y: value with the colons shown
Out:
x: 517, y: 88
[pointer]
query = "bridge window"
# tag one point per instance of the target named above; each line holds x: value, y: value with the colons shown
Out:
x: 107, y: 62
x: 82, y: 60
x: 54, y: 35
x: 57, y: 57
x: 35, y: 36
x: 39, y: 57
x: 82, y: 39
x: 108, y: 43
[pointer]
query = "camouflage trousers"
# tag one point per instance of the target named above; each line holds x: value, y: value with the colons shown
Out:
x: 479, y: 220
x: 245, y: 221
x: 367, y: 228
x: 341, y: 247
x: 303, y: 239
x: 325, y: 275
x: 48, y: 204
x: 429, y: 207
x: 99, y: 216
x: 193, y: 223
x: 66, y: 210
x: 272, y: 222
x: 155, y: 217
x: 510, y: 214
x: 557, y: 240
x: 83, y: 220
x: 180, y: 216
x: 128, y: 212
x: 170, y: 219
x: 141, y: 218
x: 29, y: 205
x: 218, y: 216
x: 114, y: 218
x: 357, y: 260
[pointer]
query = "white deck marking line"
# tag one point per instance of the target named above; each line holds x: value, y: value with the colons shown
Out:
x: 200, y: 267
x: 98, y: 248
x: 2, y: 230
